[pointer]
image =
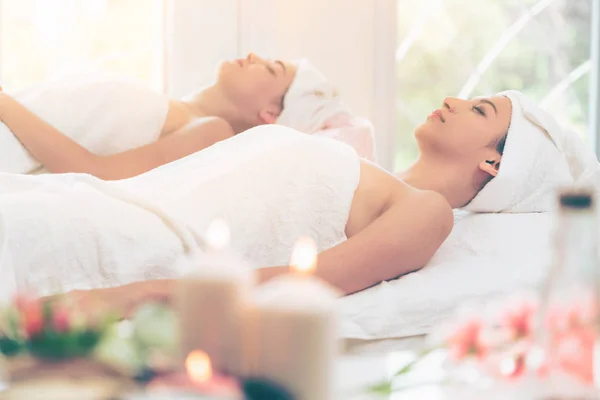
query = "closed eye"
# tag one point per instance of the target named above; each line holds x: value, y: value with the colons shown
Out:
x: 271, y: 70
x: 479, y: 110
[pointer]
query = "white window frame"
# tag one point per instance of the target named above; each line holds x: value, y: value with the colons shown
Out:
x: 1, y: 52
x: 594, y: 101
x: 385, y: 81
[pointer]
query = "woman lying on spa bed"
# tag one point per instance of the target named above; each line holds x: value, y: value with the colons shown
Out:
x: 247, y: 92
x: 370, y: 225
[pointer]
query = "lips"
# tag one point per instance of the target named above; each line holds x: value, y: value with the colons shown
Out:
x: 438, y: 113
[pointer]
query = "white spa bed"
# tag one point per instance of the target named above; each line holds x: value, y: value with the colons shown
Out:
x: 486, y: 257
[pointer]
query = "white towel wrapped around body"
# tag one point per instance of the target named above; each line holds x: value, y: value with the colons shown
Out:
x: 311, y: 101
x: 104, y: 114
x: 539, y: 157
x: 271, y: 185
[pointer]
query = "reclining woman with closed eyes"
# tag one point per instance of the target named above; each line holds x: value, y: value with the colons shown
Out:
x: 247, y: 92
x: 369, y: 225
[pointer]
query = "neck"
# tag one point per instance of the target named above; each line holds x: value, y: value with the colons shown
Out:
x: 211, y: 101
x: 440, y: 176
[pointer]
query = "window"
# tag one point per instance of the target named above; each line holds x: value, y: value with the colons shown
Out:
x: 42, y: 39
x: 469, y: 48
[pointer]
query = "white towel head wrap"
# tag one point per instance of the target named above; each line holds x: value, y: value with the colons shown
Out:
x: 539, y: 157
x: 310, y: 101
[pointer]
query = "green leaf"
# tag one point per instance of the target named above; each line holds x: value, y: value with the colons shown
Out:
x: 383, y: 388
x: 155, y: 326
x: 10, y: 347
x: 48, y: 312
x: 87, y: 341
x: 407, y: 368
x: 260, y: 389
x: 13, y: 324
x: 411, y: 365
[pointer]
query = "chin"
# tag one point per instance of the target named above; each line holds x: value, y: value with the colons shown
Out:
x: 223, y: 66
x: 428, y: 140
x: 224, y: 71
x: 423, y: 131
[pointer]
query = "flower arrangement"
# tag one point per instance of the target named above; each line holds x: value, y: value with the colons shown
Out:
x: 58, y: 337
x: 48, y: 329
x: 518, y: 337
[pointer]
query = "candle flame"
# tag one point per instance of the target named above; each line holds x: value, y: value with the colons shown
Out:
x: 218, y: 235
x: 198, y: 366
x: 304, y: 256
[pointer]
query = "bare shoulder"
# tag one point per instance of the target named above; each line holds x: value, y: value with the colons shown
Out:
x: 200, y: 133
x: 215, y: 126
x: 434, y: 208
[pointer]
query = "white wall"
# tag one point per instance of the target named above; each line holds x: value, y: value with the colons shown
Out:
x: 199, y: 34
x: 344, y: 39
x: 336, y: 35
x: 351, y: 41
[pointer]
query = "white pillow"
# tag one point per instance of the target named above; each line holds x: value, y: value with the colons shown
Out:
x: 486, y: 255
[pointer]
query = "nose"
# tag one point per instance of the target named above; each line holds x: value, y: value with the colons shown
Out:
x: 454, y: 103
x: 253, y: 58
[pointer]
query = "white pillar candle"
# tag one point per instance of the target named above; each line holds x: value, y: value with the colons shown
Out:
x: 292, y: 329
x: 210, y: 302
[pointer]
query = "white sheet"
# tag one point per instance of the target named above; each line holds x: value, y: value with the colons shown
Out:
x: 486, y: 255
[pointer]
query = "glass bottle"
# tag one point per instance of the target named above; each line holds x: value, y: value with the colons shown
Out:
x: 567, y: 324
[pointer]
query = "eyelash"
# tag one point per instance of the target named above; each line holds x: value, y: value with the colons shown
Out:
x: 479, y: 110
x: 271, y: 70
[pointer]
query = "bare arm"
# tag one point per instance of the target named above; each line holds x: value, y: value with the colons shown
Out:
x: 401, y: 240
x: 60, y: 154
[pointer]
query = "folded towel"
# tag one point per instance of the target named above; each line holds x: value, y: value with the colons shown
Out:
x: 539, y: 157
x: 310, y: 101
x: 104, y: 114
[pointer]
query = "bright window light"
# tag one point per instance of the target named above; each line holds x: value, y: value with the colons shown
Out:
x: 471, y: 48
x: 42, y: 39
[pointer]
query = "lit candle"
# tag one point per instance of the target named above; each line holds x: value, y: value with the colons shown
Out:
x: 210, y: 303
x: 291, y: 334
x: 198, y: 380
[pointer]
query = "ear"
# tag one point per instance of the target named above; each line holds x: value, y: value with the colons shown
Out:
x: 490, y: 166
x: 269, y: 115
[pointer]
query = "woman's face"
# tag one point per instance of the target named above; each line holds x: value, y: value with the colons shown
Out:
x: 257, y: 85
x: 465, y: 129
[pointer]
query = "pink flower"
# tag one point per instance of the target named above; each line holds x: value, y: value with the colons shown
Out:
x: 464, y: 339
x: 32, y: 315
x: 61, y: 320
x: 519, y: 318
x: 508, y: 363
x: 22, y: 300
x: 574, y: 353
x: 572, y: 312
x: 571, y: 326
